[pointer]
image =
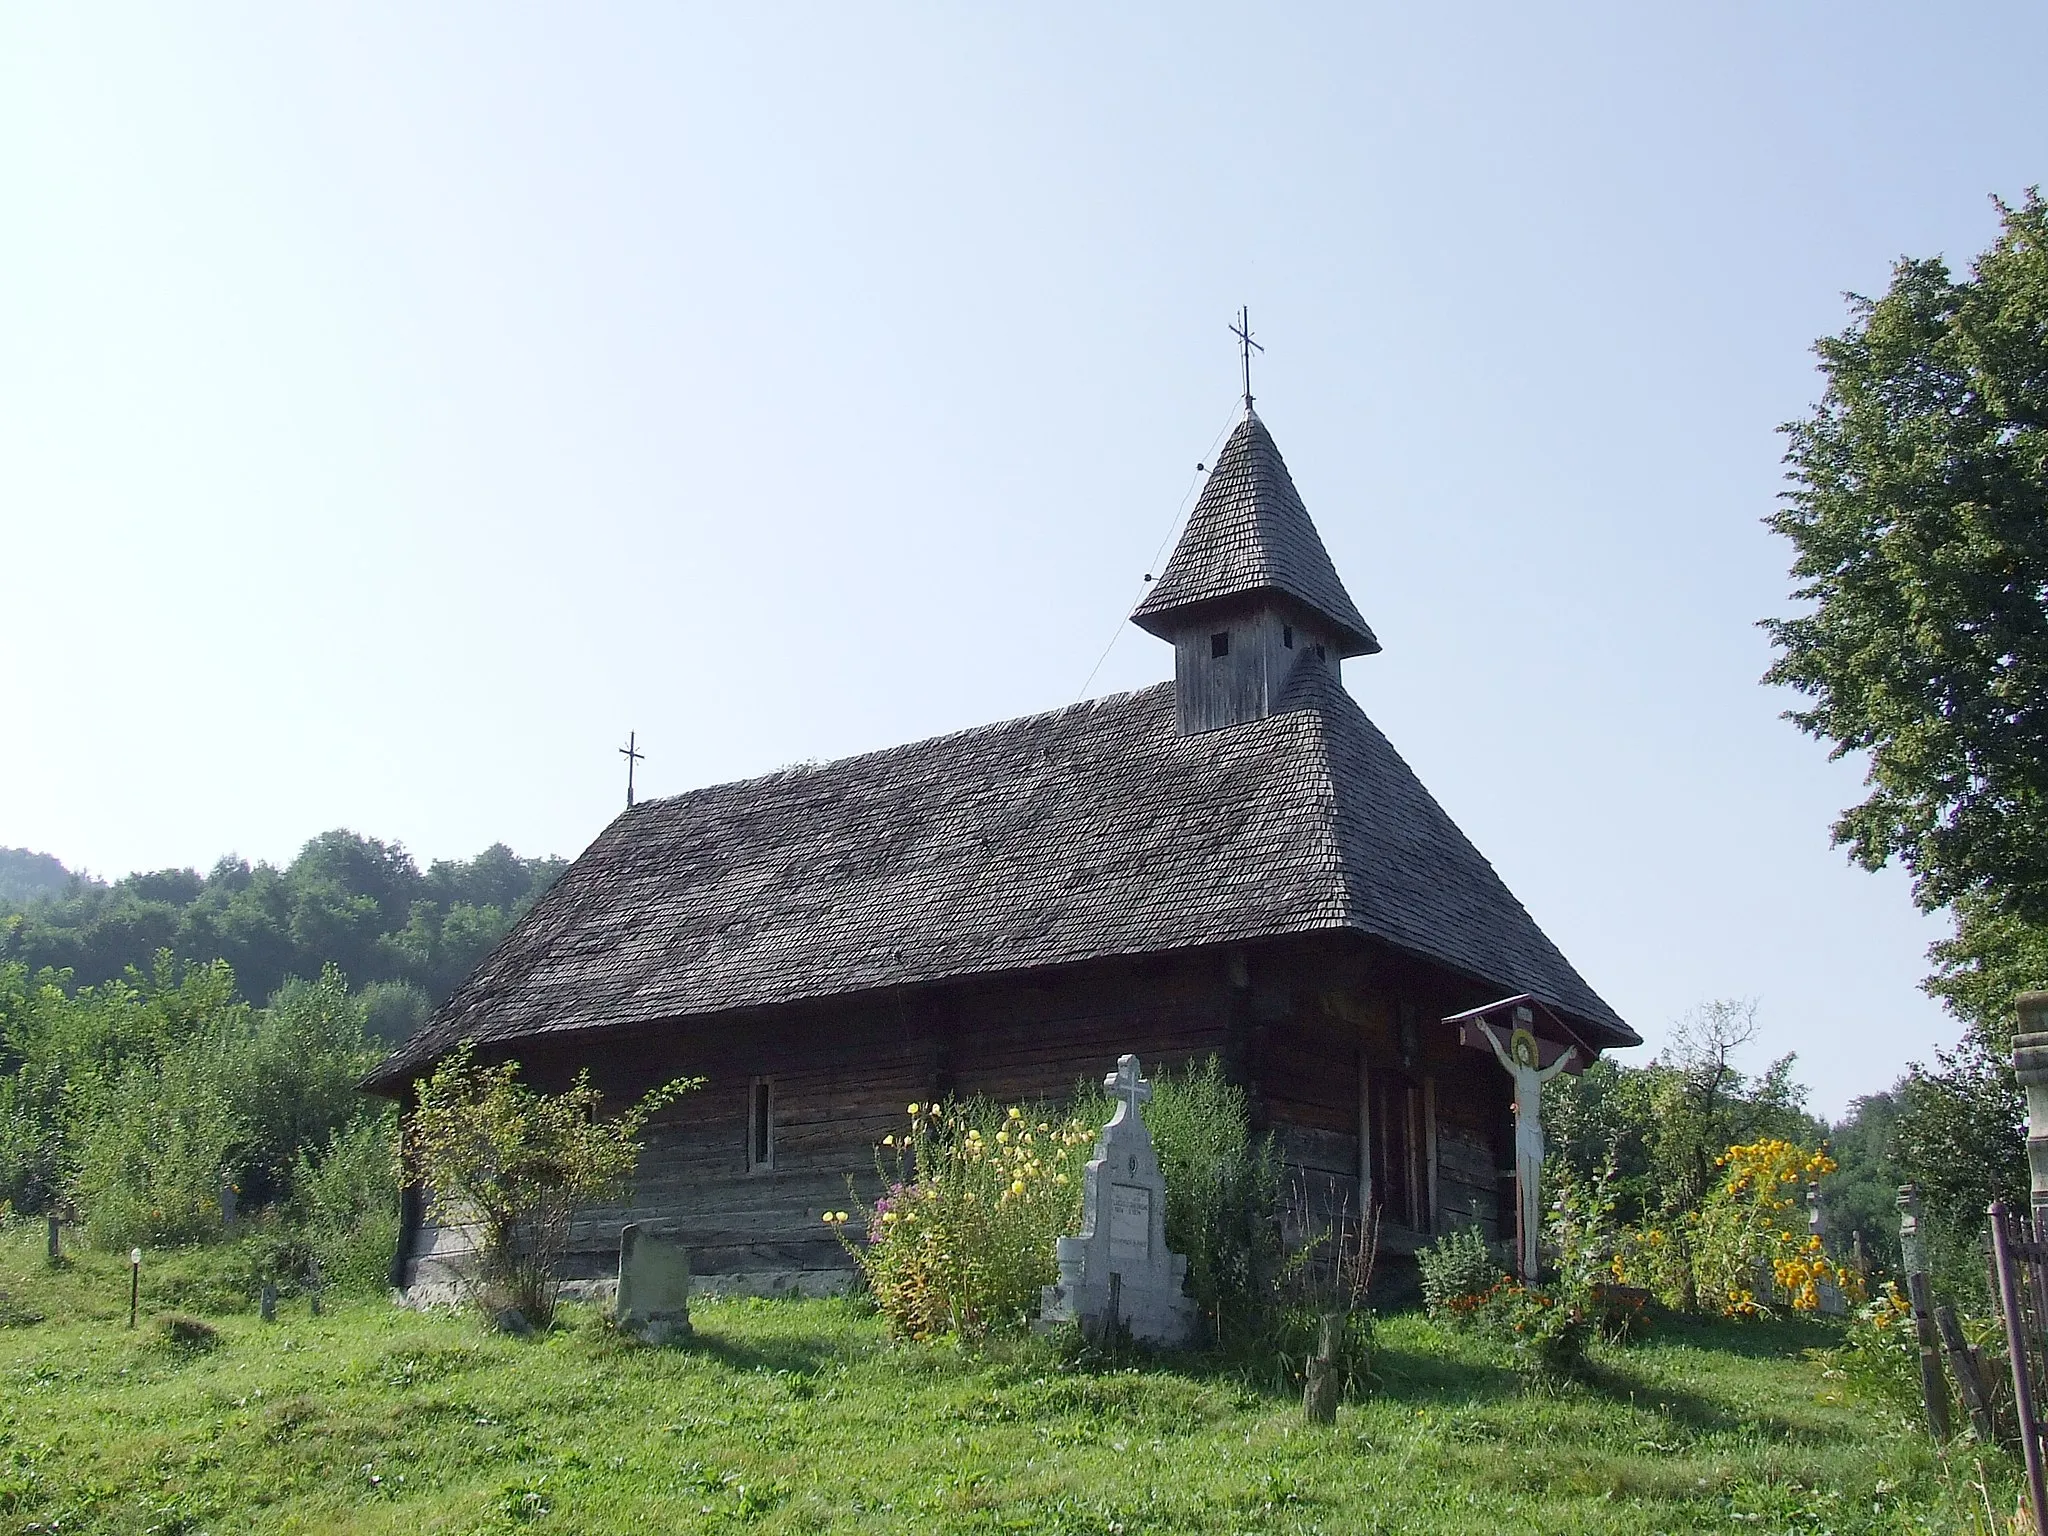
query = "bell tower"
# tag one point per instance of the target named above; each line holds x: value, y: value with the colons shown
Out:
x: 1250, y: 594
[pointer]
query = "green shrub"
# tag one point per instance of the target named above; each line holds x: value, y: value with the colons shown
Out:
x: 346, y: 1200
x: 515, y: 1164
x: 962, y: 1241
x: 1290, y: 1334
x: 1879, y: 1355
x: 294, y: 1071
x: 1458, y: 1269
x: 1222, y: 1196
x: 977, y: 1195
x: 186, y: 1333
x: 153, y: 1157
x: 1547, y: 1331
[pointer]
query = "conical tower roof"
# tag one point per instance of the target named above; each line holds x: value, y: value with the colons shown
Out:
x: 1250, y: 534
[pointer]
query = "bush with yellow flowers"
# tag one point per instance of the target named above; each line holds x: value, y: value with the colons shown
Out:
x: 977, y: 1195
x: 1751, y: 1223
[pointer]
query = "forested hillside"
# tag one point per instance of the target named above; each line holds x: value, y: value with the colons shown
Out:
x: 24, y: 875
x: 403, y: 937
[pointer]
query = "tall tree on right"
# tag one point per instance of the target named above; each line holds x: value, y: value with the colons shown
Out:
x: 1919, y: 520
x: 1918, y: 516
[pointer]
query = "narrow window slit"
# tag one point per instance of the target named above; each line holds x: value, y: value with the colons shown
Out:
x: 761, y: 1125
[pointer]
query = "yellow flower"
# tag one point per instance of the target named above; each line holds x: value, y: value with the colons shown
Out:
x: 888, y: 1141
x: 1059, y: 1178
x: 1015, y: 1113
x: 1016, y: 1186
x: 913, y: 1109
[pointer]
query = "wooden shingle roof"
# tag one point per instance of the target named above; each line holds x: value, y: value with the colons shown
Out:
x: 1250, y: 534
x: 1092, y: 831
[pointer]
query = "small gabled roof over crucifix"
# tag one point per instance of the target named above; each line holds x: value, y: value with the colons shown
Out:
x: 1249, y: 536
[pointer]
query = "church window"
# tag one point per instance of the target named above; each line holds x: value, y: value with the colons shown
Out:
x: 1287, y: 636
x: 761, y: 1125
x: 1219, y: 643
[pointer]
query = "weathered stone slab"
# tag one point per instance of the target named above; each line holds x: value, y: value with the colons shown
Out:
x: 1118, y: 1270
x: 654, y: 1285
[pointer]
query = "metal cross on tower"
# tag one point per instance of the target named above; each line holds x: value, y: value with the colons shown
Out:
x: 1245, y: 348
x: 632, y: 755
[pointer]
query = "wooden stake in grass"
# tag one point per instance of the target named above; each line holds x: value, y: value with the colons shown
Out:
x: 134, y: 1282
x: 1319, y: 1396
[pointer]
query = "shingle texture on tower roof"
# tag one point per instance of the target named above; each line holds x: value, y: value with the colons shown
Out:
x: 1092, y: 831
x: 1250, y: 533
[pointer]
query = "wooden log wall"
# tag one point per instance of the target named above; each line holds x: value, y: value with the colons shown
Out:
x: 1294, y: 1021
x: 841, y: 1078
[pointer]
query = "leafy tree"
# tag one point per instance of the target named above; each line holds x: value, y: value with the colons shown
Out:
x: 513, y: 1164
x: 392, y: 1010
x: 297, y: 1065
x: 1919, y: 523
x: 1961, y: 1136
x: 1862, y: 1197
x: 138, y: 1098
x: 1993, y: 956
x: 1666, y: 1124
x: 156, y: 1148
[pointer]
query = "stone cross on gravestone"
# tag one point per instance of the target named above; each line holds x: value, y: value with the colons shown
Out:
x: 1117, y: 1272
x: 1127, y: 1085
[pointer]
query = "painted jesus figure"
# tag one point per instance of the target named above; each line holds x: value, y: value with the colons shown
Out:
x: 1519, y: 1056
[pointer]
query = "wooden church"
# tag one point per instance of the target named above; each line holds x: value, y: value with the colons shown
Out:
x: 1234, y: 863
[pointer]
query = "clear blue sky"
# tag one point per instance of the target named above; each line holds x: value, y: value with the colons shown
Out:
x: 399, y: 404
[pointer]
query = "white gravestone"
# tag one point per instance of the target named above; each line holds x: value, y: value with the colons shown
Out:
x: 654, y: 1286
x: 1123, y: 1234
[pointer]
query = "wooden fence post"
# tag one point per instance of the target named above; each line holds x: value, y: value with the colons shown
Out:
x: 2016, y: 1348
x: 1920, y: 1292
x: 1969, y: 1370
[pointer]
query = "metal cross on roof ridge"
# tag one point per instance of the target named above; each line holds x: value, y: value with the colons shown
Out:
x: 1127, y: 1083
x: 632, y: 755
x: 1245, y: 348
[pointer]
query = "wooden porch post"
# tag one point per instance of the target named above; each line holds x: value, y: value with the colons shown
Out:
x: 1364, y: 1133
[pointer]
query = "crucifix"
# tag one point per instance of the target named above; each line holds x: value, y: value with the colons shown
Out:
x: 1245, y: 348
x: 1126, y: 1083
x: 1519, y: 1054
x: 632, y: 755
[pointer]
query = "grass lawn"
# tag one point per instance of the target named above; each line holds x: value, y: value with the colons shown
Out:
x: 799, y: 1416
